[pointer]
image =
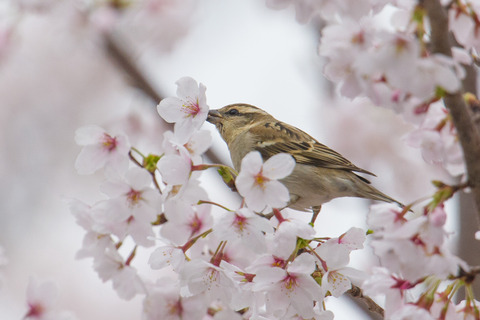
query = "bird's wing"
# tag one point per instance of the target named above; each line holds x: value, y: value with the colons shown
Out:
x: 304, y: 148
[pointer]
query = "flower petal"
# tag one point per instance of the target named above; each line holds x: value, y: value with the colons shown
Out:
x: 276, y: 194
x: 187, y: 87
x: 279, y: 166
x: 170, y: 109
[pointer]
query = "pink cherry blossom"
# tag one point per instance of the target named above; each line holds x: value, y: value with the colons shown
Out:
x: 192, y: 221
x: 42, y: 299
x: 287, y: 231
x: 167, y: 256
x: 335, y: 256
x: 101, y: 149
x: 188, y: 110
x: 244, y: 297
x: 204, y: 277
x: 175, y: 169
x: 382, y: 283
x: 245, y: 227
x: 402, y: 246
x: 385, y: 216
x: 437, y: 140
x: 258, y: 182
x: 132, y: 207
x: 125, y: 279
x: 164, y: 301
x: 190, y: 146
x: 292, y: 286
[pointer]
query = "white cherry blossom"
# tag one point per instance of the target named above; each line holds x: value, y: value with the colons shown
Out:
x: 292, y: 286
x: 132, y: 207
x: 258, y: 182
x: 188, y: 110
x: 101, y: 149
x: 245, y: 227
x: 164, y: 301
x: 192, y: 221
x: 42, y: 299
x: 335, y: 256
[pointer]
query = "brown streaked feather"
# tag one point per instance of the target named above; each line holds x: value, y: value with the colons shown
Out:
x: 304, y: 148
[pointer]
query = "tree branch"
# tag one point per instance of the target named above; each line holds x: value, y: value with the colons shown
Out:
x: 461, y: 113
x: 357, y: 294
x: 118, y: 51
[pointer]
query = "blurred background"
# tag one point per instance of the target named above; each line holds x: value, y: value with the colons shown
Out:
x: 65, y: 64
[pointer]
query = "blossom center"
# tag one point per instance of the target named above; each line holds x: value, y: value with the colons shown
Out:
x: 195, y: 224
x: 191, y: 108
x: 36, y: 310
x: 260, y: 180
x: 109, y: 142
x: 239, y: 222
x: 134, y: 197
x: 290, y: 282
x: 278, y: 262
x: 175, y: 308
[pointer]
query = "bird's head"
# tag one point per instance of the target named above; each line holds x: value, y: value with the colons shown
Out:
x: 235, y: 119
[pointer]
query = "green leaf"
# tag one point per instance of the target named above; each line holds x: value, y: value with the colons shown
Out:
x: 228, y: 177
x: 150, y: 162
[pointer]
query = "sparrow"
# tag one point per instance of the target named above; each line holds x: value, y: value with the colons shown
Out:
x: 320, y: 174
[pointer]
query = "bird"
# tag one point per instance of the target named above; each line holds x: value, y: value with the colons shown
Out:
x: 320, y: 173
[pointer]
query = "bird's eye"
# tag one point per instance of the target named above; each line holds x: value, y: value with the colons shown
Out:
x: 233, y: 112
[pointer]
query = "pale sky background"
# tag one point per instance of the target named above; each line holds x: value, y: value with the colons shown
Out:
x: 243, y: 52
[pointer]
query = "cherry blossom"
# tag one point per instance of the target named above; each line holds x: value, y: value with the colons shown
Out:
x: 192, y: 221
x: 175, y: 169
x: 132, y: 207
x: 101, y: 149
x: 42, y: 299
x: 164, y: 301
x: 292, y: 286
x: 244, y: 297
x: 190, y: 146
x: 258, y: 181
x: 204, y: 277
x: 437, y: 140
x: 245, y: 227
x: 334, y: 257
x: 385, y: 217
x: 278, y: 267
x: 167, y: 256
x: 188, y: 110
x: 381, y: 282
x: 125, y: 279
x: 289, y: 227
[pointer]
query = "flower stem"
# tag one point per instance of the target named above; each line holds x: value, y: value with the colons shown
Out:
x: 213, y: 203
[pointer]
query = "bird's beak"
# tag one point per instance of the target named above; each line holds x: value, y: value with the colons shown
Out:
x: 214, y: 116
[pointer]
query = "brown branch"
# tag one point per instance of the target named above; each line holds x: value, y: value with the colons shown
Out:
x: 357, y: 294
x: 119, y: 52
x: 468, y: 133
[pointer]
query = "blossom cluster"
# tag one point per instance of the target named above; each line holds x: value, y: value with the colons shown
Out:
x: 381, y: 50
x: 417, y: 275
x: 254, y: 261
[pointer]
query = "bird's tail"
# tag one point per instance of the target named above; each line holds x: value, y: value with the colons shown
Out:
x: 369, y: 192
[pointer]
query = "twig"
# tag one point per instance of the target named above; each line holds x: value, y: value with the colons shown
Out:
x: 468, y: 133
x: 357, y: 294
x: 119, y: 52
